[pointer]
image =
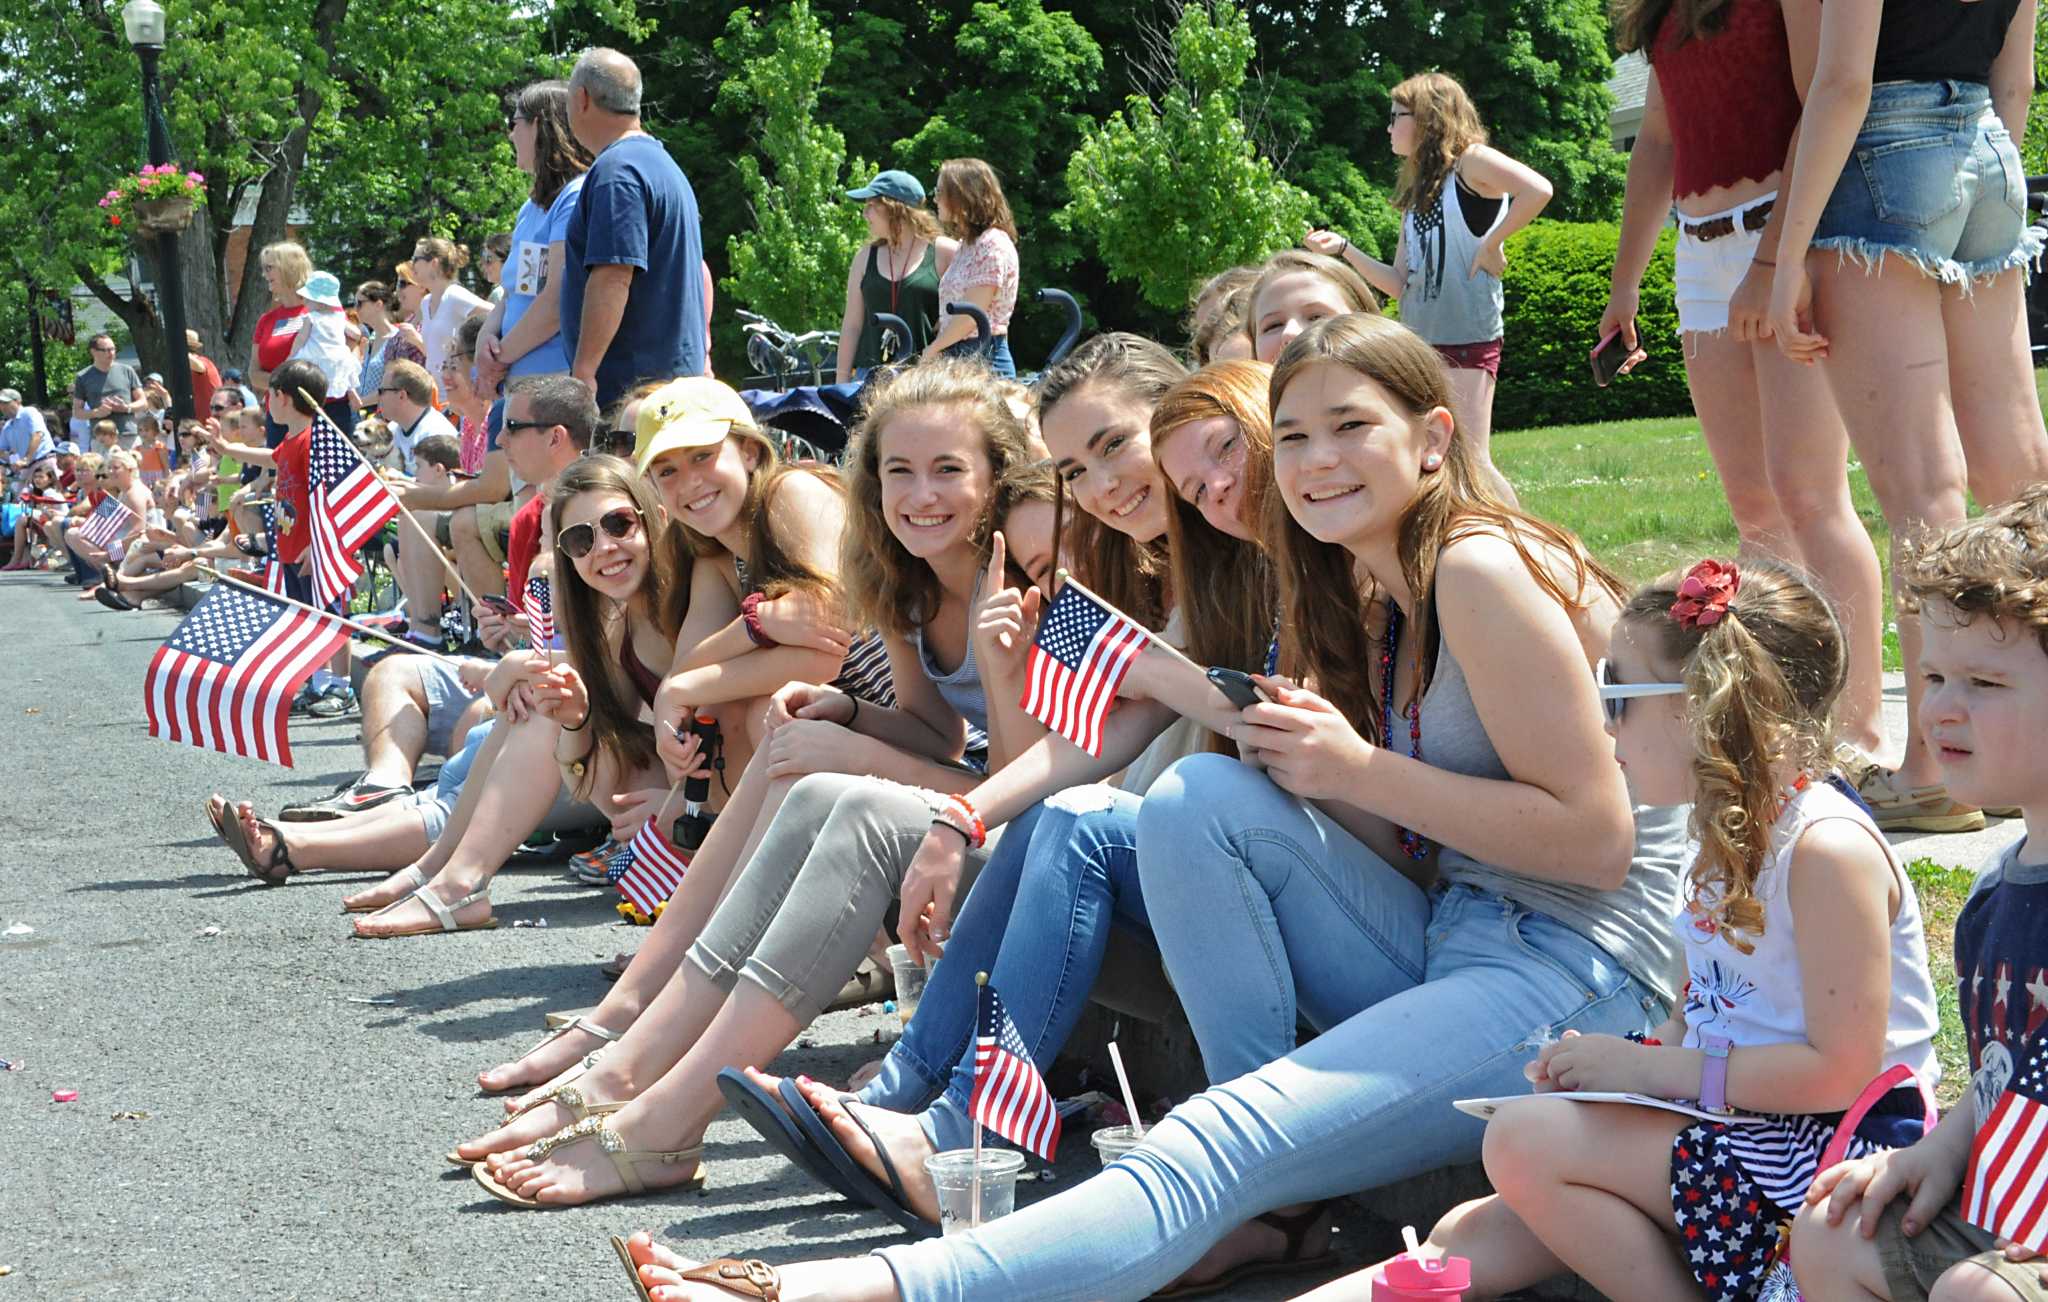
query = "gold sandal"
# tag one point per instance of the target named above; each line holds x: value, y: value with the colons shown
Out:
x: 566, y: 1094
x: 624, y: 1160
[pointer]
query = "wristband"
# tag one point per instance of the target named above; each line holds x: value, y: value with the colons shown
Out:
x: 750, y: 614
x: 856, y: 710
x: 580, y: 726
x: 1714, y: 1074
x: 951, y: 827
x: 957, y: 814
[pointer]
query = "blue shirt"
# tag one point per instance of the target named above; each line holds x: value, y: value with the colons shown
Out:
x: 638, y: 210
x: 2002, y: 968
x: 26, y: 437
x: 526, y: 275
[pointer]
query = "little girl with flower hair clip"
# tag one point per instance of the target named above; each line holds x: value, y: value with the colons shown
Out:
x: 1806, y: 963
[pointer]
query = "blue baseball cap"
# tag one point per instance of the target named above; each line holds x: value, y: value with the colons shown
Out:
x: 900, y: 186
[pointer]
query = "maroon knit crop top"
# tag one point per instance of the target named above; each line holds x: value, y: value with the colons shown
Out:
x: 1728, y: 96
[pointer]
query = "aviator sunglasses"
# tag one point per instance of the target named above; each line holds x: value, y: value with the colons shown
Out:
x: 1615, y: 695
x: 577, y: 540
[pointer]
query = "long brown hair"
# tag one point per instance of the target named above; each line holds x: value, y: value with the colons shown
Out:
x: 885, y: 584
x: 1635, y: 22
x: 558, y: 157
x: 1446, y: 125
x: 976, y: 197
x: 1224, y: 586
x: 1339, y: 273
x: 1761, y: 684
x: 905, y: 222
x: 1127, y: 573
x: 582, y: 613
x: 1217, y: 307
x: 772, y: 565
x: 1326, y: 627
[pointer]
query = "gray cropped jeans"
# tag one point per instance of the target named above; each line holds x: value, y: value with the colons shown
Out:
x: 802, y: 912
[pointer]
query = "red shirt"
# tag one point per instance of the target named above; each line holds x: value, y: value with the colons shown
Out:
x: 294, y: 533
x: 522, y: 544
x: 204, y: 381
x: 1728, y: 96
x: 276, y: 331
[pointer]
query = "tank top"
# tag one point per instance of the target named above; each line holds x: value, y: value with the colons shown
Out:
x: 1728, y: 95
x: 1941, y: 40
x: 1439, y: 301
x: 915, y: 298
x: 645, y: 681
x: 1628, y: 922
x: 1759, y: 997
x: 960, y: 689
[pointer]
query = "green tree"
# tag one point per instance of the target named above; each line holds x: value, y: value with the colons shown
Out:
x: 1173, y: 191
x: 792, y: 265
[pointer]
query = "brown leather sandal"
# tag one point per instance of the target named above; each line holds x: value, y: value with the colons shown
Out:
x: 1295, y: 1227
x: 748, y: 1279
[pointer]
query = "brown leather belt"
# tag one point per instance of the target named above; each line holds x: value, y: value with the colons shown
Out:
x: 1753, y: 219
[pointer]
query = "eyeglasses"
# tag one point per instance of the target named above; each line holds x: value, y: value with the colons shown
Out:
x: 516, y: 121
x: 1396, y: 113
x: 618, y: 524
x: 220, y: 407
x: 390, y: 389
x: 1615, y: 694
x: 103, y: 348
x: 514, y: 426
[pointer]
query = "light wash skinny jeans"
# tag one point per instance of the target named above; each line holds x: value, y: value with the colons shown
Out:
x: 1423, y: 999
x: 1058, y: 889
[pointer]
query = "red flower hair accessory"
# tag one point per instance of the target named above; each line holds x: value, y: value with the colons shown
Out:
x: 1705, y: 594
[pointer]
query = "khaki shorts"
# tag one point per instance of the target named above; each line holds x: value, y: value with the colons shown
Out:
x: 1911, y: 1265
x: 494, y: 522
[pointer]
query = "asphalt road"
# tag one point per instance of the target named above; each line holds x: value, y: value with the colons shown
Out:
x: 288, y: 1143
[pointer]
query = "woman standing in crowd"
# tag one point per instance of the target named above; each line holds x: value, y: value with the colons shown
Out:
x: 286, y: 269
x: 1722, y: 102
x: 436, y: 263
x: 1907, y: 188
x: 1552, y: 898
x: 1460, y: 200
x: 937, y: 465
x: 375, y: 303
x: 1294, y: 290
x: 523, y: 335
x: 984, y: 270
x: 901, y: 266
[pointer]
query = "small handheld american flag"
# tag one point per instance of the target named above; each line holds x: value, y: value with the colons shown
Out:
x: 540, y: 612
x: 273, y: 568
x: 225, y: 679
x: 1083, y: 650
x: 1010, y: 1096
x: 2006, y: 1190
x: 648, y: 871
x: 349, y: 504
x: 108, y: 521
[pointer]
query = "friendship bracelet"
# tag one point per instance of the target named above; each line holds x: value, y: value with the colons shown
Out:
x: 1763, y: 262
x: 750, y: 615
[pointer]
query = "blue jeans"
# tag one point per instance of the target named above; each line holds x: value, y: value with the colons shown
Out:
x: 1451, y: 986
x: 1038, y: 921
x: 1935, y: 178
x: 998, y: 355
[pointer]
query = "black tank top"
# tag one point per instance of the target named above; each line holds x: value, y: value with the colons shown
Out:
x: 1941, y: 40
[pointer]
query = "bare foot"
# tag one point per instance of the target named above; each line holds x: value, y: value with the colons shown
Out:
x: 260, y: 835
x: 582, y: 1171
x: 542, y: 1063
x: 395, y: 887
x: 1256, y: 1241
x: 497, y: 1147
x: 409, y: 916
x: 905, y: 1142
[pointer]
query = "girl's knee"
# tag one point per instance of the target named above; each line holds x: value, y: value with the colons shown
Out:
x: 1524, y: 1143
x: 1824, y: 1252
x: 1966, y: 1281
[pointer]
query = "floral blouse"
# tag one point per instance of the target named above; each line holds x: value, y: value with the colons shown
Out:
x: 990, y: 260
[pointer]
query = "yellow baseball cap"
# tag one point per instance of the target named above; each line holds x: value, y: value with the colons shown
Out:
x: 693, y: 412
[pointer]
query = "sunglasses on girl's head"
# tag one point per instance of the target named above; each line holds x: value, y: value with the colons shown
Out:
x: 577, y: 540
x: 1615, y: 694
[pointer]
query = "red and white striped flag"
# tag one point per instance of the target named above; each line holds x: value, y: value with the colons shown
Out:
x: 225, y: 679
x: 2006, y: 1190
x: 273, y: 568
x: 1083, y: 650
x: 108, y: 521
x: 540, y: 612
x: 649, y: 870
x: 348, y: 503
x: 1010, y: 1096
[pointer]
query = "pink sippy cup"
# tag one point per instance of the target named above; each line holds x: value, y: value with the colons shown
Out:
x: 1412, y: 1277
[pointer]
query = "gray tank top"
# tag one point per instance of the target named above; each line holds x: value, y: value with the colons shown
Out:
x: 960, y: 689
x: 1633, y: 922
x: 1440, y: 301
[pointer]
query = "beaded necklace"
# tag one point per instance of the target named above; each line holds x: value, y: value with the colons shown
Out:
x: 1414, y: 846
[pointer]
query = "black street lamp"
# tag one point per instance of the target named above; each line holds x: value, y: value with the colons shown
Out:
x: 144, y: 22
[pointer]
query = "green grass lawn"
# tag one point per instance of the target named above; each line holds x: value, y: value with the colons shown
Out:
x: 1942, y: 891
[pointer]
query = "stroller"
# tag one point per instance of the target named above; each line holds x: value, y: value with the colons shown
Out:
x: 812, y: 419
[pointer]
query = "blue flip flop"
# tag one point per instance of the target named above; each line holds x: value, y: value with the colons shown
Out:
x: 761, y: 1110
x: 890, y: 1199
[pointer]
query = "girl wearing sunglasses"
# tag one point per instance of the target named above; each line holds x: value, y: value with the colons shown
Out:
x: 815, y: 855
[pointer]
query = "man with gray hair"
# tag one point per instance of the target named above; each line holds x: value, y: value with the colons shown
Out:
x: 633, y: 289
x: 24, y: 439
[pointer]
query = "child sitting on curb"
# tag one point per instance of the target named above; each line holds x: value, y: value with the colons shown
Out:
x: 1919, y: 1223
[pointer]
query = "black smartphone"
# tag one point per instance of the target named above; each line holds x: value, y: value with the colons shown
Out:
x: 1237, y: 686
x: 499, y: 604
x: 1611, y: 354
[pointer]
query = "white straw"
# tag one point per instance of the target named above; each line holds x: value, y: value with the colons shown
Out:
x: 1408, y: 1237
x: 1123, y: 1081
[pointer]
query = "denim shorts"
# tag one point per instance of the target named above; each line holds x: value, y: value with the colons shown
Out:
x: 1935, y: 178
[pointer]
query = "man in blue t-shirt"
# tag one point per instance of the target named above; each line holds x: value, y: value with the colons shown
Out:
x: 633, y: 291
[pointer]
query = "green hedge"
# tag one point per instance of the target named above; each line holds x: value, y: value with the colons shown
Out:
x: 1556, y: 289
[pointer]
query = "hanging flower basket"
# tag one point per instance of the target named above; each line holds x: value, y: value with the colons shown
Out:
x: 155, y: 200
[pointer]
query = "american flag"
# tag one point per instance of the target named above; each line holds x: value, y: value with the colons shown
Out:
x: 108, y: 521
x: 1084, y: 648
x: 349, y: 504
x: 225, y: 679
x: 540, y: 612
x: 273, y: 568
x: 648, y: 870
x: 1010, y: 1096
x: 2006, y: 1190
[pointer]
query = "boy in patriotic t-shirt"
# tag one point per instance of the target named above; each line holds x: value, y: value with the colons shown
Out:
x: 1963, y: 1214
